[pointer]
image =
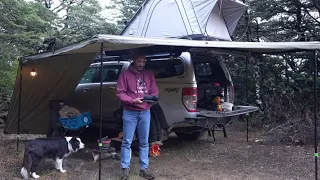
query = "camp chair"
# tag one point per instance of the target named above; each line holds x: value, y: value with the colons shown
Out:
x: 61, y: 126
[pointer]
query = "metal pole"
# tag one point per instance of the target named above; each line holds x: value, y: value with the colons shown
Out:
x: 19, y: 112
x: 246, y: 96
x: 101, y: 93
x: 315, y: 110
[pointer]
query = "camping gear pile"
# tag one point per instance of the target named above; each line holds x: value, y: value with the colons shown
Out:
x: 213, y: 97
x: 72, y: 120
x: 107, y: 151
x: 67, y: 119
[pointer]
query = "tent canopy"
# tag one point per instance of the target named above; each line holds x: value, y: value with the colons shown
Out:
x: 180, y: 18
x: 114, y: 44
x: 59, y: 72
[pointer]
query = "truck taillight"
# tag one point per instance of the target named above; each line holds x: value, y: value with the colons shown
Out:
x: 190, y: 99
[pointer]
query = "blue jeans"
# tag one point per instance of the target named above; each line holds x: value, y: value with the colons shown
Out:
x: 131, y: 121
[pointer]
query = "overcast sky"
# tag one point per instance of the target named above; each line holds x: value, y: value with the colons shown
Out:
x: 104, y: 2
x: 106, y: 13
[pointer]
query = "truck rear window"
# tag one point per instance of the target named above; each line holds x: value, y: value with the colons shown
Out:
x: 207, y: 72
x: 165, y: 68
x: 203, y: 69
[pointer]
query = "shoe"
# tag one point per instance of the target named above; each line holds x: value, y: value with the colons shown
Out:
x: 124, y: 174
x: 146, y: 174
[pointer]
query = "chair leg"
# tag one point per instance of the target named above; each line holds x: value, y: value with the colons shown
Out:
x: 224, y: 131
x: 209, y: 132
x: 213, y: 136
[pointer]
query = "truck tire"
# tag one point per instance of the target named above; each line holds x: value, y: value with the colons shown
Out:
x: 193, y: 136
x: 49, y: 133
x: 154, y: 133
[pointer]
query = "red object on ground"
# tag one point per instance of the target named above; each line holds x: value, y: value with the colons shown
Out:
x: 105, y: 141
x: 155, y: 150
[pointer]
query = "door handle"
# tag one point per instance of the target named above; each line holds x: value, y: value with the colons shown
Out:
x: 111, y: 88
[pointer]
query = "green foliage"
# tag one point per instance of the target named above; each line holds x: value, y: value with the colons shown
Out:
x: 286, y: 80
x: 126, y: 8
x: 28, y: 27
x: 83, y: 21
x: 22, y: 25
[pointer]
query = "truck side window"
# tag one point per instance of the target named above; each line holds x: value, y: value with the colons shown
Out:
x: 165, y: 68
x: 88, y: 75
x: 110, y: 73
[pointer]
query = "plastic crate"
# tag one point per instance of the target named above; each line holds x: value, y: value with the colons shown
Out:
x: 77, y: 122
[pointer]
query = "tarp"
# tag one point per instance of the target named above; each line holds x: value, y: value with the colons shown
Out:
x: 59, y: 72
x: 179, y: 18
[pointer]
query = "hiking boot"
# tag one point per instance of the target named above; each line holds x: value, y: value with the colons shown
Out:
x: 146, y: 174
x: 124, y: 174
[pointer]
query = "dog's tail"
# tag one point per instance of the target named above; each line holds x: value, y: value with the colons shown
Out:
x: 26, y: 166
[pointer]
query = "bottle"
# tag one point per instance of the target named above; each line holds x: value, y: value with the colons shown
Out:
x: 222, y: 94
x: 217, y: 102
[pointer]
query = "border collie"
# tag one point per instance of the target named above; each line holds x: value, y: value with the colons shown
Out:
x: 55, y: 148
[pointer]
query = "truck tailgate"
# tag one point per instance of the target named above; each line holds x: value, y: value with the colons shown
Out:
x: 237, y: 110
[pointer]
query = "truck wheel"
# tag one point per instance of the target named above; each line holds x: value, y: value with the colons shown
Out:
x: 52, y: 133
x: 193, y: 136
x: 154, y: 133
x: 49, y: 133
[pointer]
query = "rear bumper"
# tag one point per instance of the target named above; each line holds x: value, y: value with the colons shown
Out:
x: 206, y: 122
x: 208, y: 119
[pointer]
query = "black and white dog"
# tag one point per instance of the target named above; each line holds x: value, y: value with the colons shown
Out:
x: 55, y: 148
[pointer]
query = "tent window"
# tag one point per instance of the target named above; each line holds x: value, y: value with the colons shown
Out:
x: 88, y: 75
x: 165, y: 68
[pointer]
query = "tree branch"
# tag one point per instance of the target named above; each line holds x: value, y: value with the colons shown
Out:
x: 316, y: 4
x: 296, y: 89
x: 61, y: 4
x: 307, y: 11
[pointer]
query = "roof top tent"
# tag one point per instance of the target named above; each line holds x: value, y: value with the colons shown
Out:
x: 209, y: 19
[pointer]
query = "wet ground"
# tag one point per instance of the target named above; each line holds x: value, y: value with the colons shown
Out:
x: 230, y: 158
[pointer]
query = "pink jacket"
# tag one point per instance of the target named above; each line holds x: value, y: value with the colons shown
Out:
x: 132, y: 84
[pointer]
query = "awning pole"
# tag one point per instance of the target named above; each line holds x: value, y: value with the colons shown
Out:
x: 246, y: 95
x: 101, y: 92
x: 19, y: 111
x: 315, y: 108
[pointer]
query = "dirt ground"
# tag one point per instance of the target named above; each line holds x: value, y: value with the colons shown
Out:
x: 230, y: 158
